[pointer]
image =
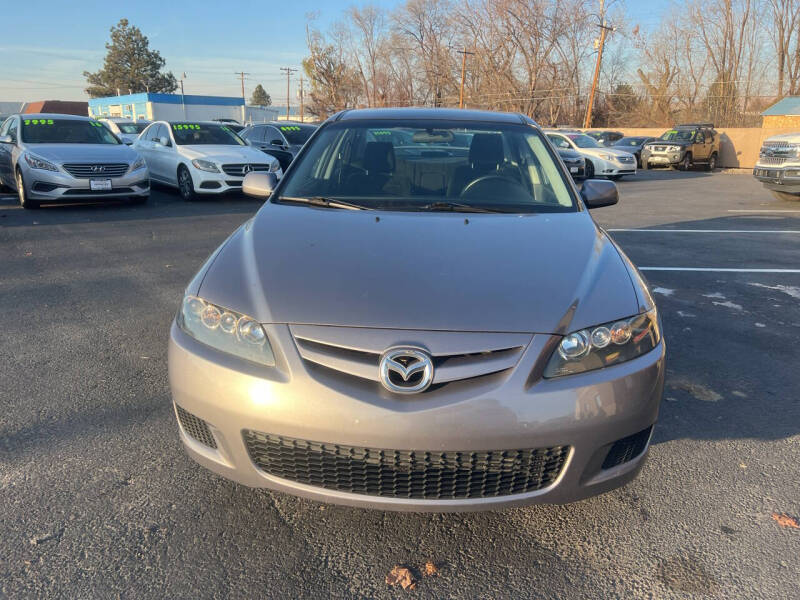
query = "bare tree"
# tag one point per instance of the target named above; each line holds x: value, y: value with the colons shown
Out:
x: 785, y: 34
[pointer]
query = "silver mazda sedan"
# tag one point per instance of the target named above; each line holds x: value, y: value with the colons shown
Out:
x: 65, y: 158
x: 423, y: 316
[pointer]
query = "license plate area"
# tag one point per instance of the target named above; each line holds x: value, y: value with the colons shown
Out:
x: 100, y: 185
x: 573, y: 169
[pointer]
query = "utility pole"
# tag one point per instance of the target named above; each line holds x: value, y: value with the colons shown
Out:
x: 302, y: 120
x: 603, y: 28
x: 183, y: 99
x: 288, y: 71
x: 241, y: 74
x: 463, y: 54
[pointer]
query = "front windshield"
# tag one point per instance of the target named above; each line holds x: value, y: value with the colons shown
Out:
x: 583, y: 141
x: 630, y: 141
x: 678, y: 135
x: 65, y: 131
x: 205, y: 134
x: 135, y: 128
x: 426, y: 165
x: 297, y: 134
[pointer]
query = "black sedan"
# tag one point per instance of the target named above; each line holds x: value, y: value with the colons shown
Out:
x: 633, y: 144
x: 575, y: 163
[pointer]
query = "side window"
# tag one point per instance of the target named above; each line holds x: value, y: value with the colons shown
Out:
x: 700, y: 139
x: 160, y: 132
x: 4, y: 126
x: 271, y: 134
x: 12, y: 130
x: 149, y: 133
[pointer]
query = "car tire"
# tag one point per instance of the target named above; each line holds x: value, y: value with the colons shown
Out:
x: 686, y: 163
x: 185, y: 184
x: 589, y: 170
x: 712, y: 162
x: 786, y: 196
x: 22, y: 193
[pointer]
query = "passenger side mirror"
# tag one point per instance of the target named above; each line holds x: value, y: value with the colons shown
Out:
x: 597, y: 193
x: 259, y: 185
x: 164, y: 141
x: 277, y: 143
x: 6, y: 139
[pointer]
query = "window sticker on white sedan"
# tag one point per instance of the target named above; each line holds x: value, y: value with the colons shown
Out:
x: 179, y: 126
x: 290, y: 128
x: 38, y: 121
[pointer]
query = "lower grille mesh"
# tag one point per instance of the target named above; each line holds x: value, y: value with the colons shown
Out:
x: 406, y: 473
x: 627, y: 448
x: 195, y: 427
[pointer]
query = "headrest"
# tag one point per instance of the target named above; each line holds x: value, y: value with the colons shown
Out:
x: 486, y: 148
x: 379, y: 157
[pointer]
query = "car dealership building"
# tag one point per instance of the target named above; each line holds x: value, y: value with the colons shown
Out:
x: 175, y: 107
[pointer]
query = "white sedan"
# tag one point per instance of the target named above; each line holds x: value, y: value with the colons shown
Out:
x: 200, y: 158
x: 600, y: 160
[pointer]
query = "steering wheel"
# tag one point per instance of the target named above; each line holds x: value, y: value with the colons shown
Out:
x: 494, y: 185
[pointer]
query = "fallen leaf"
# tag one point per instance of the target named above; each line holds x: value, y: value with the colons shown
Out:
x: 403, y: 576
x: 785, y: 520
x: 430, y: 569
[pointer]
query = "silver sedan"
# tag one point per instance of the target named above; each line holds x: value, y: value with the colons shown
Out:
x: 64, y: 158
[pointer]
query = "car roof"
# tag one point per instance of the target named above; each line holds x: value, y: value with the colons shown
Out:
x: 444, y: 114
x: 53, y: 116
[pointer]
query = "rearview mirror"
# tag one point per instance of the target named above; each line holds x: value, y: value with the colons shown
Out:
x: 259, y: 185
x: 597, y: 193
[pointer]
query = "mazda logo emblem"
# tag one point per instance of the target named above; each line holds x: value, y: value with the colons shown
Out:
x: 406, y: 370
x: 98, y: 169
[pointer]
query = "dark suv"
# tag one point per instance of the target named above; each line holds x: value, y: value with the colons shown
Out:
x: 683, y: 147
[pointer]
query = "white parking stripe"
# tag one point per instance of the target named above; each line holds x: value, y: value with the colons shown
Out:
x: 761, y: 210
x: 710, y: 230
x: 719, y: 270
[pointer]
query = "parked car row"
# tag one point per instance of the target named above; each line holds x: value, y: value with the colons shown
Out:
x: 52, y: 158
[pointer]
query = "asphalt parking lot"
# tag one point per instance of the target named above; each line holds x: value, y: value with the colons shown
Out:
x: 100, y: 501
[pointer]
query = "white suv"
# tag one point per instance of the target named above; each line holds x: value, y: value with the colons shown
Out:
x: 778, y: 166
x: 200, y: 158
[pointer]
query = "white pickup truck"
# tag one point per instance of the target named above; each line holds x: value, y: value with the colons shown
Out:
x: 778, y: 166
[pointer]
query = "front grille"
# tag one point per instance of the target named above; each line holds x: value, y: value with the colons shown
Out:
x: 238, y: 170
x: 772, y: 160
x: 416, y: 474
x: 87, y: 170
x: 626, y: 159
x: 195, y: 427
x: 658, y: 148
x: 627, y: 448
x: 779, y: 144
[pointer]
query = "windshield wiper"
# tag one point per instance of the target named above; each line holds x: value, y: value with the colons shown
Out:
x: 456, y: 207
x: 324, y: 202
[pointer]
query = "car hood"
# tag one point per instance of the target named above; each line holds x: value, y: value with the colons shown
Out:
x: 61, y: 153
x: 545, y: 273
x: 784, y: 137
x: 225, y: 154
x: 681, y: 143
x: 604, y: 150
x: 569, y: 154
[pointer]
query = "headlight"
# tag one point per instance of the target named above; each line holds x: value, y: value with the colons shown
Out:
x: 205, y: 165
x: 34, y: 162
x: 608, y: 156
x: 604, y: 345
x: 225, y: 330
x: 674, y: 148
x: 138, y: 164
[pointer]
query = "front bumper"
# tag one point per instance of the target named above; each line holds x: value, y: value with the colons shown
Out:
x: 663, y: 159
x: 612, y: 168
x: 57, y: 186
x: 784, y: 178
x: 206, y: 182
x: 576, y: 169
x: 588, y: 413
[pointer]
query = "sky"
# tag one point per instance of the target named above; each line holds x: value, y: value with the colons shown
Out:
x: 44, y: 56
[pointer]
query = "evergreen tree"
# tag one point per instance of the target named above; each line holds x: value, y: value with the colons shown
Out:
x: 130, y: 64
x: 260, y: 97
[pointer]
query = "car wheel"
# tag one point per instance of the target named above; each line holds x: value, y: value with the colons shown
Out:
x: 24, y: 202
x: 185, y: 184
x: 589, y: 169
x: 686, y: 163
x: 786, y: 196
x: 712, y: 162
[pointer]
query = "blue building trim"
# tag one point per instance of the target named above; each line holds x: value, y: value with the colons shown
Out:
x: 787, y: 106
x: 99, y: 103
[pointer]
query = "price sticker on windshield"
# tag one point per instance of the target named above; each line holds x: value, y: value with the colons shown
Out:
x: 290, y: 128
x: 185, y: 126
x: 38, y: 121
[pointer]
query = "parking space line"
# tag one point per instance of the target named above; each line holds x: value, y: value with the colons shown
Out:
x: 761, y: 210
x: 795, y: 231
x: 719, y: 270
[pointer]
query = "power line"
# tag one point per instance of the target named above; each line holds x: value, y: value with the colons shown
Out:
x: 288, y: 71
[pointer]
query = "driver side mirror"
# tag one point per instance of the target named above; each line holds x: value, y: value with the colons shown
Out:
x: 259, y: 185
x: 597, y: 193
x: 277, y: 143
x: 164, y: 141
